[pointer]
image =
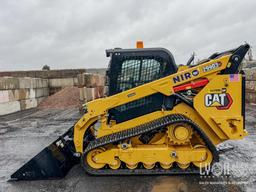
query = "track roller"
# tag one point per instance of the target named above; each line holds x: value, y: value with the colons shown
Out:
x: 206, y: 160
x: 91, y: 159
x: 149, y: 165
x: 132, y: 166
x: 166, y: 165
x: 116, y: 164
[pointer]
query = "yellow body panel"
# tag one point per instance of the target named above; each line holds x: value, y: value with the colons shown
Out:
x: 226, y: 123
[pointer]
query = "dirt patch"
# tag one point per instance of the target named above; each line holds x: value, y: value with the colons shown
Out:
x: 65, y: 98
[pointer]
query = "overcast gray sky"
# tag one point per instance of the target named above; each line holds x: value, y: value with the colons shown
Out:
x: 75, y: 33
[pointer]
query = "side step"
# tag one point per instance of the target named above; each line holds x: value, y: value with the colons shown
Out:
x: 53, y: 162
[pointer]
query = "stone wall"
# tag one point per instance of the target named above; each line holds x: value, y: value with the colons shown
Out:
x: 18, y: 94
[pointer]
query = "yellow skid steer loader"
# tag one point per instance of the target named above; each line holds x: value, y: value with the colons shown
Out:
x: 158, y: 118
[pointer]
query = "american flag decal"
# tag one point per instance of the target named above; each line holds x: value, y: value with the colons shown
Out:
x: 234, y: 78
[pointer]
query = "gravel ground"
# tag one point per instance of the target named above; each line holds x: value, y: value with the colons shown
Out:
x: 24, y: 134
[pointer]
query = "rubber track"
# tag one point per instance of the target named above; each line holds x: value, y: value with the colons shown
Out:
x: 138, y: 130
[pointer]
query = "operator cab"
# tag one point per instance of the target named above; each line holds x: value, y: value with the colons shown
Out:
x: 129, y: 68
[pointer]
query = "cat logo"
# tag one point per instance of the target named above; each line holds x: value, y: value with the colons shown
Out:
x: 219, y: 100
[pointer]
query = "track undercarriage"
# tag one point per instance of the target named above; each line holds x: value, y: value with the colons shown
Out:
x: 176, y: 146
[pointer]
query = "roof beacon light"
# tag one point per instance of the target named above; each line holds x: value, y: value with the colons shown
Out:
x: 139, y: 44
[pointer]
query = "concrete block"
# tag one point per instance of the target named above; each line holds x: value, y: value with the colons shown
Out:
x: 75, y: 79
x: 253, y: 77
x: 54, y: 83
x: 25, y: 83
x: 250, y: 73
x: 41, y: 83
x: 65, y: 82
x: 9, y: 107
x: 32, y: 93
x: 249, y: 85
x: 100, y: 91
x: 28, y: 103
x: 247, y: 74
x: 105, y: 91
x: 252, y: 98
x: 247, y: 99
x: 80, y: 79
x: 9, y: 83
x: 89, y: 94
x: 46, y: 92
x: 33, y: 83
x: 20, y: 94
x: 82, y: 93
x: 90, y: 80
x: 11, y: 95
x: 38, y: 83
x: 45, y: 83
x: 253, y: 85
x: 41, y: 92
x: 4, y: 96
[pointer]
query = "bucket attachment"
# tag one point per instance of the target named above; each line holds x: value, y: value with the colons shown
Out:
x: 53, y: 162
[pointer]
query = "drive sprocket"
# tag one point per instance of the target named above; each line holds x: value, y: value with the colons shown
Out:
x: 179, y: 133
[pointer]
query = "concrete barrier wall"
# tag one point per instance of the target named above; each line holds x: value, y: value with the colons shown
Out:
x: 58, y: 79
x: 250, y: 84
x: 18, y: 94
